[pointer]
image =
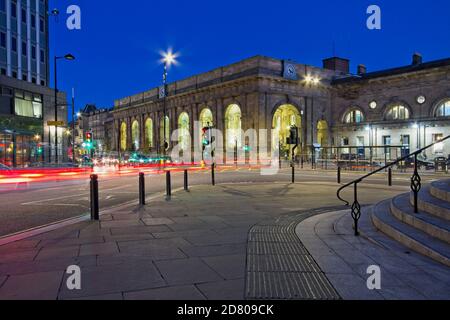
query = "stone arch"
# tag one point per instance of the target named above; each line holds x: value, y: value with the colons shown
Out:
x: 322, y: 133
x: 397, y: 111
x: 148, y: 133
x: 284, y: 117
x: 123, y: 136
x: 233, y: 126
x: 441, y: 108
x: 135, y: 135
x: 206, y: 117
x: 353, y: 115
x: 164, y: 137
x: 184, y: 136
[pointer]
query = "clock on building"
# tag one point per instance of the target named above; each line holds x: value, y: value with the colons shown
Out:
x: 373, y: 105
x: 290, y: 71
x: 421, y: 99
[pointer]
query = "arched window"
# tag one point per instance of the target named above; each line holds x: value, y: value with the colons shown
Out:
x: 354, y: 116
x: 284, y: 118
x: 398, y: 112
x: 183, y: 131
x: 164, y: 137
x: 443, y: 109
x: 206, y: 118
x: 123, y: 136
x: 233, y: 125
x: 149, y: 133
x: 322, y: 133
x: 135, y: 135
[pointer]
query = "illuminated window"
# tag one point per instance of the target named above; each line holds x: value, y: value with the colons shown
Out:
x: 135, y: 135
x: 354, y: 116
x: 149, y: 133
x: 443, y: 109
x: 398, y: 112
x: 164, y: 137
x: 28, y: 105
x: 206, y: 118
x: 284, y: 118
x: 183, y: 131
x: 233, y: 125
x: 123, y: 136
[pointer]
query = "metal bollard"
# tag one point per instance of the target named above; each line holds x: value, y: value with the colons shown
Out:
x: 293, y: 172
x: 141, y: 189
x: 390, y: 177
x: 168, y: 185
x: 339, y: 175
x: 186, y: 181
x: 95, y: 212
x: 213, y: 174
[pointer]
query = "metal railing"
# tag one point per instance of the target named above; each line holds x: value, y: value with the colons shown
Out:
x: 416, y: 183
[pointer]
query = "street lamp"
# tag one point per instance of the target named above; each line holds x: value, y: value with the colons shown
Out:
x: 168, y: 59
x: 68, y: 57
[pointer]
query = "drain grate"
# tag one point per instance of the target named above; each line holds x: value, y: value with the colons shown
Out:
x: 280, y: 267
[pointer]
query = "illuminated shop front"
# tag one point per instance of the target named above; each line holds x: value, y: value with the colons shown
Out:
x: 20, y: 149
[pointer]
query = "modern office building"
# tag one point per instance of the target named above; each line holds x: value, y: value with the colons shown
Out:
x: 26, y: 102
x: 376, y: 115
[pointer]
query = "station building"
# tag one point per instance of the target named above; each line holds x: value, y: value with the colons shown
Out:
x: 379, y: 114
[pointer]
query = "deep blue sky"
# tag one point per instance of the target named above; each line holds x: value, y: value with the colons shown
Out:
x: 117, y: 48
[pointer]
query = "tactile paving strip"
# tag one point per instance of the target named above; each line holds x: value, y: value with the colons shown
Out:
x: 280, y: 267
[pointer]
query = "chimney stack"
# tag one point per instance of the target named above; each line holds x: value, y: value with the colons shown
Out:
x: 362, y: 69
x: 337, y: 64
x: 417, y: 59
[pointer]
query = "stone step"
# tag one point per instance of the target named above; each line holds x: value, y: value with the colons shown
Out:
x: 432, y: 205
x: 402, y: 209
x: 441, y: 190
x: 410, y: 237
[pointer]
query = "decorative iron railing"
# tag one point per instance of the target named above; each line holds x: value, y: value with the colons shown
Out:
x: 416, y: 183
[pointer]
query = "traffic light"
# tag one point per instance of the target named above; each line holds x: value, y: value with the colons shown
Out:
x: 88, y: 141
x: 293, y: 135
x: 39, y: 149
x: 206, y: 136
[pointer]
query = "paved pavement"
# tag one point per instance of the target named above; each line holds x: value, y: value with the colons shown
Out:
x: 192, y: 247
x: 345, y: 260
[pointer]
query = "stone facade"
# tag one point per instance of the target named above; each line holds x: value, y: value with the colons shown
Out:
x: 260, y: 86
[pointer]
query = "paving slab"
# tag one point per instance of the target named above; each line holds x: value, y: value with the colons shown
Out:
x: 229, y: 267
x: 176, y: 293
x: 34, y: 286
x: 223, y: 290
x: 187, y: 271
x: 97, y: 249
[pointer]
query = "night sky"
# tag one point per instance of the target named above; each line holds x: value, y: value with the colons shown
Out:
x: 117, y: 49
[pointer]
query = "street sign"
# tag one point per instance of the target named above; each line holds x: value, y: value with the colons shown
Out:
x: 56, y: 123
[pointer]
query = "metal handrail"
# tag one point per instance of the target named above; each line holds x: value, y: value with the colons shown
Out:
x: 415, y: 183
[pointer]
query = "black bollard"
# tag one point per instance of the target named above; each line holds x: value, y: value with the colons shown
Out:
x: 293, y: 172
x: 95, y: 212
x: 213, y: 174
x: 141, y: 189
x: 186, y: 181
x: 168, y: 185
x: 390, y: 177
x: 339, y: 175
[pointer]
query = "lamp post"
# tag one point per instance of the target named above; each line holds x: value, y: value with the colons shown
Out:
x: 68, y: 57
x: 168, y: 59
x: 312, y: 81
